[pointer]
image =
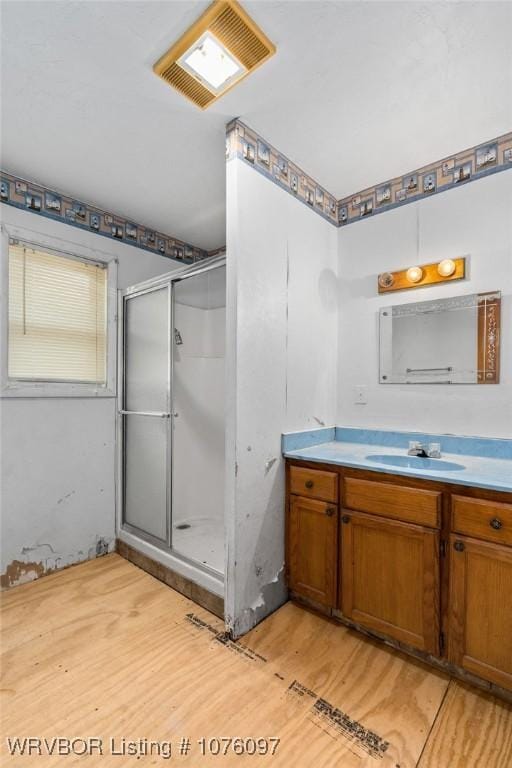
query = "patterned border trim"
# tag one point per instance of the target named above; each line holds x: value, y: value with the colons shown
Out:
x: 453, y: 171
x: 43, y: 201
x: 247, y: 145
x: 242, y: 142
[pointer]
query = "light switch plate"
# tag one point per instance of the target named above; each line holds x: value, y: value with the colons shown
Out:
x: 360, y: 396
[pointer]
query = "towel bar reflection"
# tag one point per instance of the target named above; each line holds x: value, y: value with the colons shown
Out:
x: 447, y: 368
x: 162, y: 415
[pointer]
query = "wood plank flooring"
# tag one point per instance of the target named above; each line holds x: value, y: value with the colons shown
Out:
x: 104, y: 650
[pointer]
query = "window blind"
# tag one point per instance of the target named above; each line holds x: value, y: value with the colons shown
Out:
x: 57, y: 317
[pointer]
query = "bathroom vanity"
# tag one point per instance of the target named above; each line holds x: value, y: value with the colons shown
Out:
x: 419, y: 557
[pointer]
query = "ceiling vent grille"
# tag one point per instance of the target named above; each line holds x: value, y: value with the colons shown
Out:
x: 187, y: 85
x: 238, y: 37
x: 235, y: 30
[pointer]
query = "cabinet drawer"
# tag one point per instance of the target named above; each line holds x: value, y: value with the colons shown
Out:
x: 399, y: 502
x: 314, y: 483
x: 482, y: 519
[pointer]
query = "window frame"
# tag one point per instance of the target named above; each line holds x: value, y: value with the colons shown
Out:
x: 10, y: 387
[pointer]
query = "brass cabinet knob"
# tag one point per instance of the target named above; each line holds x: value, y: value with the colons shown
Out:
x: 330, y: 511
x: 459, y: 546
x: 496, y: 523
x: 309, y: 483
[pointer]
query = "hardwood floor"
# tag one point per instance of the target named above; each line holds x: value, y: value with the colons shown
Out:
x: 104, y: 650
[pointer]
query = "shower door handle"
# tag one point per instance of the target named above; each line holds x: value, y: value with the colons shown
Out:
x: 160, y: 414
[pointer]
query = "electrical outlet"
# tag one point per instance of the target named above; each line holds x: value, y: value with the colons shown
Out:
x: 360, y: 397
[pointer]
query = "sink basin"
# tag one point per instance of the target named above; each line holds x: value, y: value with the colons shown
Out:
x: 415, y: 462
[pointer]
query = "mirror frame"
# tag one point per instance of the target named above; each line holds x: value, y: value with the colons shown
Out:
x: 489, y: 328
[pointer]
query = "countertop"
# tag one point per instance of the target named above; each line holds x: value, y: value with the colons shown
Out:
x: 480, y: 472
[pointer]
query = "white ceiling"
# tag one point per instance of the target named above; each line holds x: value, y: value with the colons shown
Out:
x: 358, y: 92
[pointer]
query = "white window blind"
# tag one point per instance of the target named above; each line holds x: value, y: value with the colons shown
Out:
x: 57, y: 317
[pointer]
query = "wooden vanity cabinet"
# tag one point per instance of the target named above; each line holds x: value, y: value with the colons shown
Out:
x: 313, y: 549
x: 312, y: 534
x: 389, y: 578
x: 425, y: 564
x: 389, y: 565
x: 480, y: 609
x: 480, y: 594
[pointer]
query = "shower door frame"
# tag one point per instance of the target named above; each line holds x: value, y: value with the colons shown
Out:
x: 143, y: 289
x: 162, y: 281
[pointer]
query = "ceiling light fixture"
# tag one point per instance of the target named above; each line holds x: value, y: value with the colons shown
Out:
x: 221, y: 48
x: 211, y: 62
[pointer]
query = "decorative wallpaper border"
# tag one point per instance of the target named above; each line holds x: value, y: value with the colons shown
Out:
x: 247, y: 145
x: 44, y: 201
x: 450, y: 172
x: 244, y: 143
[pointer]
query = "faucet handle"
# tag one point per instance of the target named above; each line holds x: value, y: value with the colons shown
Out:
x: 434, y: 450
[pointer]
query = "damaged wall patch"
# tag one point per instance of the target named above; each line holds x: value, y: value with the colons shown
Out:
x: 46, y: 560
x: 19, y: 572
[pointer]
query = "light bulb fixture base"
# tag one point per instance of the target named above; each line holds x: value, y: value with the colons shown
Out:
x: 422, y: 275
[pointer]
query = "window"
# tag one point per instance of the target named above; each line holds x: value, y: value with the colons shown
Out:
x: 58, y: 322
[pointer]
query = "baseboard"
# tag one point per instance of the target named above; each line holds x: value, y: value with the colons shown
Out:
x: 176, y: 581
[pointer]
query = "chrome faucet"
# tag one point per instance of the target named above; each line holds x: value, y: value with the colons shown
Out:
x: 430, y: 451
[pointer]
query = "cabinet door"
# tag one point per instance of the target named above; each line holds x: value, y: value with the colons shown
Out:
x: 313, y: 549
x: 390, y: 578
x: 480, y: 636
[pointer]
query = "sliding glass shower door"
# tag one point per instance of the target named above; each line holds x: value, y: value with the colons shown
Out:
x: 146, y: 413
x: 172, y: 414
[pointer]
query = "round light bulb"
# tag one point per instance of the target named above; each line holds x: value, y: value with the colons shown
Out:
x: 414, y: 274
x: 386, y: 280
x: 446, y: 267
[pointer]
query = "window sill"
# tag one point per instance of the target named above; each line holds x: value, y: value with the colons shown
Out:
x: 49, y: 389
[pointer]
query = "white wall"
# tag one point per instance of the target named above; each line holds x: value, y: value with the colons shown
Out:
x: 58, y: 454
x: 281, y: 372
x: 474, y: 220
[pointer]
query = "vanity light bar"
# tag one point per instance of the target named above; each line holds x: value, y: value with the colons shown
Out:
x: 422, y: 275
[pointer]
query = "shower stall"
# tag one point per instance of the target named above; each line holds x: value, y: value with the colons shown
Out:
x: 172, y: 416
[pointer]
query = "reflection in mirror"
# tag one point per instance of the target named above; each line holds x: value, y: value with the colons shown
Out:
x: 446, y: 341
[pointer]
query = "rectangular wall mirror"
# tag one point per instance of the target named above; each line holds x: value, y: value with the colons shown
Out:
x: 445, y: 341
